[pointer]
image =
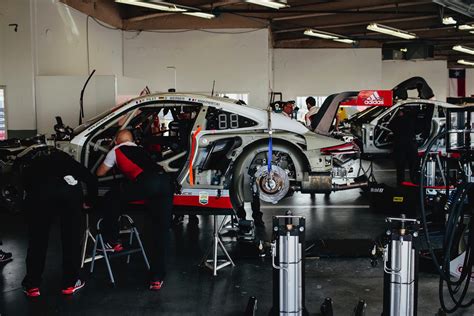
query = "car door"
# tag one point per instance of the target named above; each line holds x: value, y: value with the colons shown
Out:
x: 163, y: 129
x: 218, y: 135
x: 423, y: 112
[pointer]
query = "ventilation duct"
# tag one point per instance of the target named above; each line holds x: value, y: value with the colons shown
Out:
x: 465, y: 7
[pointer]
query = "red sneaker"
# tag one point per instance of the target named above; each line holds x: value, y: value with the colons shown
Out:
x: 32, y: 291
x: 156, y: 285
x: 72, y: 289
x: 111, y: 247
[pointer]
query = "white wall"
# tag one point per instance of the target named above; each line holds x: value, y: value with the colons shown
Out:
x: 237, y: 62
x: 61, y: 41
x: 301, y: 72
x: 469, y: 82
x: 52, y: 39
x: 16, y: 64
x: 99, y: 97
x: 435, y: 73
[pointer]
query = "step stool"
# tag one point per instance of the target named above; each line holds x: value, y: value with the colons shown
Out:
x: 99, y: 241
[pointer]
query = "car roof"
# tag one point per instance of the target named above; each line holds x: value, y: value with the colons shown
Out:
x: 435, y: 102
x: 192, y: 95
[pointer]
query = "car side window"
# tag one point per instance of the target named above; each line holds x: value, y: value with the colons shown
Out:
x: 389, y: 116
x: 218, y: 119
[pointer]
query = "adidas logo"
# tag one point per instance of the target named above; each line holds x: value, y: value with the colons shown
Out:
x: 374, y: 99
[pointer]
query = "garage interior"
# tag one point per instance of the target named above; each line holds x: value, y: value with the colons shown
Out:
x: 76, y: 59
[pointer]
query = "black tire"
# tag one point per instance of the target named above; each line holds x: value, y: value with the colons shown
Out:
x: 11, y: 193
x: 243, y: 162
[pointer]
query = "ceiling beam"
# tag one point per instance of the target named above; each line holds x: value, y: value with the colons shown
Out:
x: 355, y: 23
x: 452, y: 64
x: 355, y: 7
x: 181, y: 21
x: 101, y: 10
x: 318, y: 43
x: 217, y: 4
x: 147, y: 17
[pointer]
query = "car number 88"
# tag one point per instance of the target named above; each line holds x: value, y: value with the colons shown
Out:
x: 228, y: 121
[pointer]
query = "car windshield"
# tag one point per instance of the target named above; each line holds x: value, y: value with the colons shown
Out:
x: 79, y: 129
x: 369, y: 114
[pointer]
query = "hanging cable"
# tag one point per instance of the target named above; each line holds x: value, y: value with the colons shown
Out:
x: 454, y: 226
x: 176, y: 31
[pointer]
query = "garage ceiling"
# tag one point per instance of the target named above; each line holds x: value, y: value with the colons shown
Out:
x: 347, y: 18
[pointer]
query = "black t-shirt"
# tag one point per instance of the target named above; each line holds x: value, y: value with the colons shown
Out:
x: 58, y: 165
x: 404, y: 128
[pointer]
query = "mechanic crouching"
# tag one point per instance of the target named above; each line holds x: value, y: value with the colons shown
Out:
x: 53, y: 188
x: 146, y: 181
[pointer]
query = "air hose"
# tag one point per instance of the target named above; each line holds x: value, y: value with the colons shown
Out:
x: 270, y: 143
x: 454, y: 228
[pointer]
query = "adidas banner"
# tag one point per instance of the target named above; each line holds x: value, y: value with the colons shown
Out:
x: 457, y: 83
x: 371, y: 98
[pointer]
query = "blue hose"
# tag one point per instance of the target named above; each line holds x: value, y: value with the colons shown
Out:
x: 270, y: 154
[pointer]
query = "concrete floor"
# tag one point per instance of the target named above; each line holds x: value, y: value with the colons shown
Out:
x: 190, y: 290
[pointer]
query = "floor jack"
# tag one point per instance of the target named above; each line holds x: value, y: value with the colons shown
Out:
x: 400, y: 271
x: 400, y: 268
x: 288, y: 263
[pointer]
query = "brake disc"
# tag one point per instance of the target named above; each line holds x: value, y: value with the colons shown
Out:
x: 273, y: 186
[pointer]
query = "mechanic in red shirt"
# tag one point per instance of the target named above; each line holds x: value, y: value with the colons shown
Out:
x: 146, y: 181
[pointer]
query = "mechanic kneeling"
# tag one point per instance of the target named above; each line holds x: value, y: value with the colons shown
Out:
x: 52, y: 185
x: 147, y: 181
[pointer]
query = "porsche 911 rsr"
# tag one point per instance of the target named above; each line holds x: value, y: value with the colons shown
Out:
x: 218, y: 150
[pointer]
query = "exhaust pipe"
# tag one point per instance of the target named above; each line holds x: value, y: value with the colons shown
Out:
x: 337, y: 187
x: 322, y: 183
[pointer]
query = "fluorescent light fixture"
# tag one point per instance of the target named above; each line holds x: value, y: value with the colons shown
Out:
x: 274, y: 4
x: 344, y: 40
x: 203, y: 15
x: 329, y: 36
x: 449, y: 20
x: 162, y: 6
x: 390, y: 31
x: 320, y: 34
x: 465, y: 62
x: 464, y: 49
x: 404, y: 50
x: 466, y: 27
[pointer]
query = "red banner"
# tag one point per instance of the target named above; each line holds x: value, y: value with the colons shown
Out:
x: 372, y: 98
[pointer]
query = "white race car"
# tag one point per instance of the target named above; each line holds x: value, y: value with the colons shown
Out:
x: 372, y: 128
x: 218, y: 149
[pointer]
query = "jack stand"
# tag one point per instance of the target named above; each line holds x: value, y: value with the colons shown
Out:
x: 288, y: 265
x: 326, y: 307
x: 213, y: 264
x: 251, y: 307
x: 400, y: 267
x: 359, y: 310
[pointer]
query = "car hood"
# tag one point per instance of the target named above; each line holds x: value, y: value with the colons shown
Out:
x: 317, y: 141
x: 282, y: 122
x: 313, y: 140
